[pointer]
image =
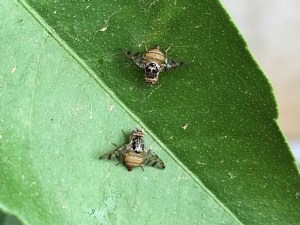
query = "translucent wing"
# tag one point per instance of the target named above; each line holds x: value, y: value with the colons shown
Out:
x: 170, y: 64
x: 117, y: 153
x: 153, y: 160
x: 137, y: 58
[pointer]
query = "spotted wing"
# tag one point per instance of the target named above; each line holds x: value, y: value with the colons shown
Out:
x: 170, y: 64
x: 137, y: 58
x: 153, y: 160
x: 117, y: 153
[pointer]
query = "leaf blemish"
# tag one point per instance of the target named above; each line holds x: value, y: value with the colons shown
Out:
x: 104, y: 28
x: 64, y: 205
x: 148, y: 96
x: 200, y: 163
x: 111, y: 107
x: 91, y: 111
x: 152, y: 3
x: 146, y: 7
x: 231, y: 176
x: 185, y: 126
x: 13, y: 69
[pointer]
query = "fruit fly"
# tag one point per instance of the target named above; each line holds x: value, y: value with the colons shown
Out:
x: 134, y: 154
x: 153, y: 61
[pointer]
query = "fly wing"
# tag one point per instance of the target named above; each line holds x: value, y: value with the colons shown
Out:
x: 117, y: 153
x: 153, y: 160
x: 137, y: 58
x: 170, y: 64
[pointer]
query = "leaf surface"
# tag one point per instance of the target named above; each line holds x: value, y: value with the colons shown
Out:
x: 67, y: 93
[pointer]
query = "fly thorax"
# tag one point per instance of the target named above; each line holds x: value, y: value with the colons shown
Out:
x: 152, y: 70
x: 137, y: 145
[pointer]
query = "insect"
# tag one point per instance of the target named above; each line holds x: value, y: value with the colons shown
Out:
x: 134, y: 154
x: 153, y: 61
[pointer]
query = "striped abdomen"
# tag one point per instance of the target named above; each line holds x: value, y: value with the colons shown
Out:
x: 133, y: 159
x: 154, y: 55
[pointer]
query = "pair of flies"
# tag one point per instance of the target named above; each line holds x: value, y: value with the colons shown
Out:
x: 153, y: 62
x: 134, y: 154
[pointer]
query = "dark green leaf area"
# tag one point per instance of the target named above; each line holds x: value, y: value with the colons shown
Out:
x: 216, y: 113
x: 217, y: 64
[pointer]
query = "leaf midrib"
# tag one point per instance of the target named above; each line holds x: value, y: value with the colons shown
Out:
x: 93, y: 75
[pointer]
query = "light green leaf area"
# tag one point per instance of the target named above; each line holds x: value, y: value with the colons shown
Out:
x: 67, y: 93
x: 55, y: 122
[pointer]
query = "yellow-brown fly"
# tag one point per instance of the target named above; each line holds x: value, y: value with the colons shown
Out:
x: 153, y: 61
x: 134, y: 154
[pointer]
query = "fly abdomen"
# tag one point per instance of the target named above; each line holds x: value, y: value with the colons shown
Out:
x: 133, y: 159
x: 154, y: 55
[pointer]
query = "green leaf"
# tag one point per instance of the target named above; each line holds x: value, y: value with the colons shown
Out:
x: 8, y: 219
x: 67, y: 94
